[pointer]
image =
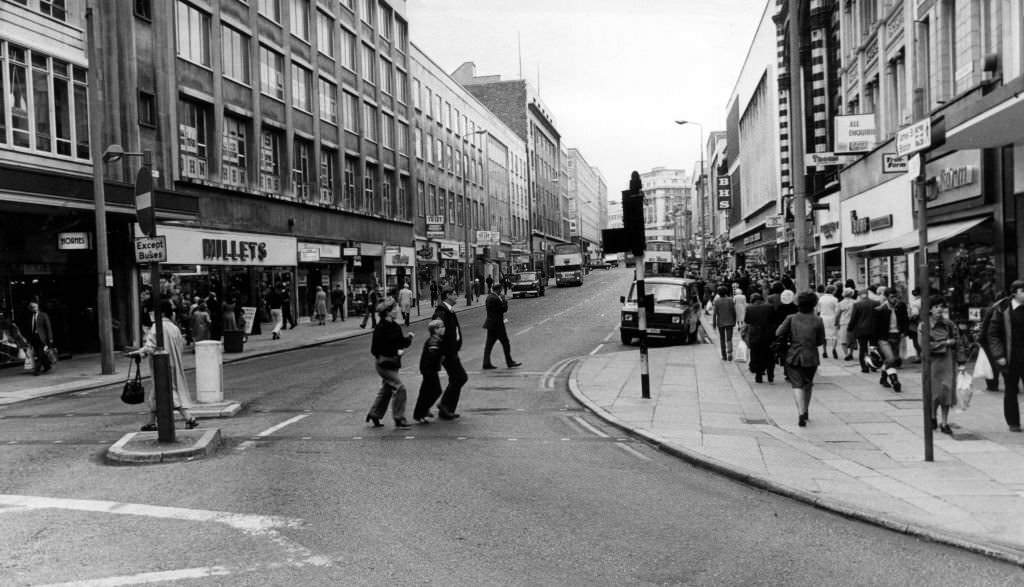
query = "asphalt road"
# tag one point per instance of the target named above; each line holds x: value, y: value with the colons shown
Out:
x: 525, y: 489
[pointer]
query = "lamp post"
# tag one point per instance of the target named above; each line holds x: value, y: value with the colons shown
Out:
x: 465, y: 217
x: 701, y: 210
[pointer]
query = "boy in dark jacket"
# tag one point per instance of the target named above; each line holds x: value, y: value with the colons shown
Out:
x: 430, y: 368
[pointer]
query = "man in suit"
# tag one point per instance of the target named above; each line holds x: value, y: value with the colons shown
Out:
x: 41, y: 338
x: 891, y: 321
x: 862, y: 326
x: 496, y: 306
x: 451, y: 343
x: 1005, y: 334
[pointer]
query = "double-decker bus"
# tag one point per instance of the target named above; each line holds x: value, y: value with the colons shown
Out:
x: 568, y: 264
x: 658, y: 258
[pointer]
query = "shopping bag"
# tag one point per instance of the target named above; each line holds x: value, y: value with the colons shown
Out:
x: 908, y: 352
x: 30, y: 363
x: 132, y: 392
x: 964, y: 390
x: 22, y: 355
x: 982, y: 368
x: 51, y: 354
x: 742, y: 354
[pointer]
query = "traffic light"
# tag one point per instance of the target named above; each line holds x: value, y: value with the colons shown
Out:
x: 633, y: 215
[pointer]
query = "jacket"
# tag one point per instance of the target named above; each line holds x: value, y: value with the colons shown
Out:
x: 760, y: 321
x: 42, y: 327
x: 451, y: 342
x: 806, y: 334
x: 430, y: 358
x: 388, y: 340
x: 862, y: 318
x: 999, y: 336
x: 986, y: 322
x: 882, y: 316
x: 724, y: 314
x: 496, y: 307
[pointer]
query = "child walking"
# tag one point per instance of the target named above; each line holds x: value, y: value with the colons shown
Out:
x: 430, y: 368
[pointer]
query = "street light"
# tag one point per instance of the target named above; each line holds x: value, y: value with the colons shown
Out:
x: 703, y: 234
x: 465, y: 216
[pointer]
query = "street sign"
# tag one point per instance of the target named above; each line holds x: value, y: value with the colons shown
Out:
x: 309, y: 255
x: 151, y: 249
x: 914, y: 138
x: 855, y: 133
x: 893, y: 163
x: 724, y: 192
x: 144, y: 210
x: 773, y: 221
x: 435, y: 219
x: 825, y: 159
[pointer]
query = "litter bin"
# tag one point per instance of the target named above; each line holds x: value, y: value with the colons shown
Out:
x: 234, y: 341
x: 209, y: 372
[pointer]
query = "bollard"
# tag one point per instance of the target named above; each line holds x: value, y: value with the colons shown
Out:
x: 209, y: 371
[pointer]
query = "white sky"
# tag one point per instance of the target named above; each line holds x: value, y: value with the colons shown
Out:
x: 614, y: 73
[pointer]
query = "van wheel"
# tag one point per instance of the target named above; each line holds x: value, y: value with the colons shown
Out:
x: 625, y: 338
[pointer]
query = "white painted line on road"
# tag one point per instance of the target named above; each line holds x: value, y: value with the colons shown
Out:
x: 596, y: 349
x: 632, y: 451
x: 523, y: 331
x: 588, y: 426
x: 610, y: 336
x: 271, y: 430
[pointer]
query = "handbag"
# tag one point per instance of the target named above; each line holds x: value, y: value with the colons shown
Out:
x: 780, y: 345
x: 51, y: 355
x: 133, y: 392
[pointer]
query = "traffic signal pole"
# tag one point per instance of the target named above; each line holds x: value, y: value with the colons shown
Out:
x: 641, y: 307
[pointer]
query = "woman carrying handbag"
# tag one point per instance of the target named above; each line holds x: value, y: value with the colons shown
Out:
x: 806, y: 333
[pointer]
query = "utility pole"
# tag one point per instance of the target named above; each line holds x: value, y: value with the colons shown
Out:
x: 798, y: 181
x: 923, y: 280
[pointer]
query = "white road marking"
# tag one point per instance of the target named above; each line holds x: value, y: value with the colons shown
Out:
x: 596, y: 349
x: 610, y: 336
x: 589, y: 427
x: 271, y: 430
x: 632, y: 451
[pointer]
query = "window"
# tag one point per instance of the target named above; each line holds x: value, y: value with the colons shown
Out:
x: 453, y: 213
x: 402, y: 42
x: 417, y: 88
x: 300, y: 19
x: 369, y: 11
x: 271, y: 73
x: 387, y: 131
x: 348, y: 196
x: 78, y: 76
x: 385, y: 21
x: 369, y: 65
x: 432, y: 206
x: 301, y: 177
x: 367, y: 203
x: 458, y: 122
x: 350, y: 4
x: 270, y: 162
x: 370, y: 122
x: 55, y: 9
x: 386, y: 82
x: 438, y: 111
x: 447, y: 115
x: 193, y: 34
x: 428, y: 148
x: 234, y: 152
x: 271, y: 9
x: 450, y: 158
x: 401, y: 202
x: 192, y: 138
x: 428, y: 104
x: 439, y: 153
x: 41, y: 97
x: 235, y: 49
x: 328, y: 101
x: 417, y: 142
x: 421, y: 204
x: 325, y: 33
x: 348, y: 49
x: 147, y: 109
x: 387, y: 205
x: 402, y: 138
x: 144, y: 9
x: 302, y: 81
x: 327, y: 160
x: 350, y: 112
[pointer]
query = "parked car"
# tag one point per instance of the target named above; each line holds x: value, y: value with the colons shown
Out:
x: 676, y: 315
x: 527, y: 283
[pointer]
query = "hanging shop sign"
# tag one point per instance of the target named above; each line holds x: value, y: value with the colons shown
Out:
x: 724, y: 191
x: 855, y: 133
x: 893, y: 163
x: 74, y: 241
x: 426, y: 252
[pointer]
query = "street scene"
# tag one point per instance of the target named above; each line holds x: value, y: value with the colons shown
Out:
x: 367, y: 292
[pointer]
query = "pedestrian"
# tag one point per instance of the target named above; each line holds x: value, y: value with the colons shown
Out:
x: 320, y: 306
x: 806, y: 333
x: 370, y: 300
x: 862, y: 327
x: 1002, y: 302
x: 760, y: 332
x: 842, y: 324
x: 228, y: 318
x: 945, y: 352
x: 891, y: 323
x: 496, y: 306
x: 828, y: 307
x: 41, y: 338
x: 405, y: 298
x: 739, y: 299
x: 451, y: 343
x: 216, y: 314
x: 430, y: 369
x: 199, y: 323
x: 275, y: 300
x: 174, y: 344
x: 13, y: 346
x: 433, y: 293
x: 914, y: 312
x: 723, y: 317
x: 388, y: 346
x: 489, y: 282
x: 337, y: 303
x: 286, y: 305
x: 1005, y: 329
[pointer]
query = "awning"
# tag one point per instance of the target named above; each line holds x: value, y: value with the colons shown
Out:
x: 910, y: 241
x: 824, y: 249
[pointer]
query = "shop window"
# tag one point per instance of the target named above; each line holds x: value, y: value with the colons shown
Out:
x: 270, y: 162
x: 300, y: 19
x: 302, y: 81
x: 325, y: 33
x: 271, y: 73
x: 235, y: 54
x: 192, y: 138
x: 234, y: 154
x: 301, y: 173
x: 348, y: 198
x: 147, y: 109
x: 193, y: 34
x: 327, y: 162
x: 350, y: 112
x: 328, y: 93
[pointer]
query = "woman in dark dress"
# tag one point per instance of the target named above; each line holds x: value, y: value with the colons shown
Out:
x: 806, y: 333
x: 760, y: 331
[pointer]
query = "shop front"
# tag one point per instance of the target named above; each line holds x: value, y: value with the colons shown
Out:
x: 230, y: 264
x: 452, y: 264
x: 827, y: 258
x: 320, y: 264
x: 755, y: 250
x: 399, y: 264
x: 868, y: 219
x: 426, y: 255
x: 367, y: 268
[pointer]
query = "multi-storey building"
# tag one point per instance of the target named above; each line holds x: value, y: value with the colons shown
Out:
x: 602, y: 199
x: 584, y: 182
x: 519, y: 106
x: 470, y: 176
x: 665, y: 190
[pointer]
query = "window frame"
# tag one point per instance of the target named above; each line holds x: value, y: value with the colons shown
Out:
x: 202, y: 38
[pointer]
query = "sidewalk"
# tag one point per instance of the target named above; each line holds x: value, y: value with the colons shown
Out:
x: 861, y: 454
x: 82, y: 372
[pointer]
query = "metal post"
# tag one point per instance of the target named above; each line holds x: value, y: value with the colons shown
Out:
x: 797, y: 146
x: 103, y: 311
x: 465, y: 234
x: 645, y: 370
x: 923, y: 282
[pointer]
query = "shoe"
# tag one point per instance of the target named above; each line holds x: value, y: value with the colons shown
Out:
x: 514, y: 364
x: 402, y: 424
x: 884, y: 381
x: 802, y: 421
x: 935, y: 424
x: 489, y: 367
x: 1014, y: 428
x: 191, y: 423
x: 375, y: 420
x: 895, y: 381
x: 758, y: 378
x: 274, y: 336
x: 945, y: 429
x: 807, y: 417
x: 148, y: 428
x: 864, y: 370
x: 445, y: 414
x: 824, y: 354
x: 422, y: 420
x: 848, y: 358
x: 835, y: 355
x: 771, y: 379
x: 46, y: 369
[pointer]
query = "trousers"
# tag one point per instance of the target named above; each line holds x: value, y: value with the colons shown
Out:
x: 497, y: 336
x: 457, y: 377
x: 391, y: 390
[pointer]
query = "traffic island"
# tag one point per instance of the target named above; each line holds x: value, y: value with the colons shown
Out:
x: 143, y: 448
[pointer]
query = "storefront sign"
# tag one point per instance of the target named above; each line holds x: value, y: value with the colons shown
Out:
x: 954, y: 178
x: 773, y: 221
x: 151, y: 249
x: 893, y: 163
x: 752, y: 238
x: 855, y: 133
x: 222, y: 249
x: 435, y: 219
x: 74, y: 241
x: 880, y: 222
x: 825, y: 159
x: 449, y: 253
x: 309, y: 255
x: 196, y: 246
x: 859, y: 225
x: 829, y: 229
x: 399, y: 256
x: 248, y: 318
x: 724, y: 191
x: 357, y: 261
x: 426, y: 252
x: 489, y: 237
x: 371, y: 249
x: 325, y: 252
x: 350, y: 251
